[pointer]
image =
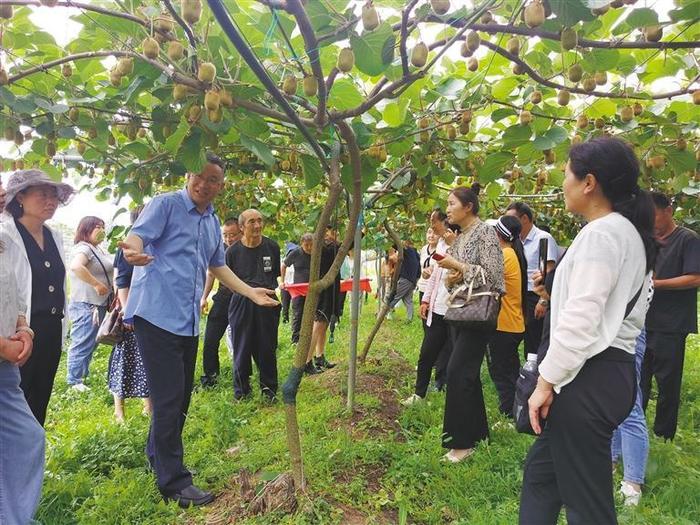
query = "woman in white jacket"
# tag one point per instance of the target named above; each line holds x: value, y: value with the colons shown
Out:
x: 32, y: 199
x: 21, y: 437
x: 587, y: 380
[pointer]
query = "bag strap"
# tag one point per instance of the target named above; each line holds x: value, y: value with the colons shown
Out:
x: 634, y: 300
x: 104, y: 270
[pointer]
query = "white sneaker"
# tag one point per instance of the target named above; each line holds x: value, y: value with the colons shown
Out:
x: 410, y: 400
x: 80, y: 387
x: 631, y: 495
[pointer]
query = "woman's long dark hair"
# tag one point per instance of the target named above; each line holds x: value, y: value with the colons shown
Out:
x: 515, y: 227
x: 616, y: 168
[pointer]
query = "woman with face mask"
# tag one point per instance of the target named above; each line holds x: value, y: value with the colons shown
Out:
x: 91, y: 283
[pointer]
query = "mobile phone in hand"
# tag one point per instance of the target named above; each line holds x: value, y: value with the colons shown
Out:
x: 438, y: 257
x: 544, y: 245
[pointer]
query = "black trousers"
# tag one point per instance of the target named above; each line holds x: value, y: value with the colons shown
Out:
x: 217, y: 322
x: 169, y: 361
x: 254, y: 333
x: 435, y: 351
x: 504, y: 366
x: 569, y: 463
x: 38, y: 373
x: 663, y: 360
x: 286, y: 301
x: 533, y: 327
x: 297, y: 312
x: 465, y: 423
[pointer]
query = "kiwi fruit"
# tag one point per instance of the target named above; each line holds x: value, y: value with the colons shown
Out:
x: 310, y: 86
x: 125, y: 66
x: 164, y: 23
x: 215, y: 116
x: 513, y: 46
x: 419, y: 54
x: 19, y: 138
x: 346, y: 60
x: 575, y: 73
x: 225, y: 99
x: 525, y: 117
x: 568, y: 38
x: 289, y: 85
x: 191, y: 11
x: 637, y: 109
x: 599, y: 123
x: 370, y: 18
x: 536, y: 97
x: 6, y: 11
x: 179, y: 92
x: 81, y: 147
x: 423, y: 123
x: 626, y: 113
x: 74, y: 114
x: 212, y: 100
x: 194, y: 113
x: 534, y: 14
x: 465, y: 51
x: 657, y: 162
x: 696, y: 97
x: 518, y: 69
x: 601, y: 78
x: 150, y: 47
x: 549, y: 156
x: 563, y: 97
x: 141, y: 133
x: 466, y: 116
x: 424, y: 136
x: 582, y: 122
x: 115, y: 78
x: 175, y: 50
x: 598, y: 11
x: 653, y: 33
x: 207, y: 72
x: 486, y: 18
x: 451, y: 132
x: 588, y: 84
x: 92, y: 133
x: 472, y: 64
x: 4, y: 79
x: 66, y: 71
x: 577, y: 139
x: 473, y: 41
x: 681, y: 144
x: 440, y: 7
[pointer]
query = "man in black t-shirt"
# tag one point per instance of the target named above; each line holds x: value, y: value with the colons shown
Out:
x: 217, y: 321
x: 256, y: 260
x: 300, y: 259
x: 672, y: 314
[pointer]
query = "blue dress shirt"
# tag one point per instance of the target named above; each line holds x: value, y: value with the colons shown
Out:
x: 531, y: 247
x: 184, y: 243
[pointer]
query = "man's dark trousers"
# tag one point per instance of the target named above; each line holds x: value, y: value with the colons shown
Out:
x: 297, y: 312
x: 533, y: 327
x: 217, y: 322
x: 169, y: 361
x: 663, y: 359
x: 254, y: 334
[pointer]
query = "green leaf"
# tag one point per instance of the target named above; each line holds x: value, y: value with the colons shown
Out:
x: 504, y: 87
x: 642, y: 17
x: 494, y: 166
x: 395, y: 113
x: 605, y: 59
x: 313, y: 172
x: 569, y: 12
x: 550, y: 138
x: 172, y: 144
x: 516, y: 135
x: 369, y: 173
x: 260, y: 149
x: 502, y: 113
x: 344, y: 95
x: 48, y: 106
x: 191, y: 153
x: 451, y: 88
x: 687, y: 12
x: 374, y: 50
x: 602, y: 107
x: 681, y: 161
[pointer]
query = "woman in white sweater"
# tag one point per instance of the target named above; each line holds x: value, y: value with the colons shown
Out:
x: 587, y: 380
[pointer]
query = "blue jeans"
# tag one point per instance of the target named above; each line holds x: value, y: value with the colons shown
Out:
x: 631, y: 438
x: 83, y: 335
x: 21, y: 451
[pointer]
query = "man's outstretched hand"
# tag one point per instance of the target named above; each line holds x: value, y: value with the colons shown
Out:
x: 133, y: 256
x: 263, y: 297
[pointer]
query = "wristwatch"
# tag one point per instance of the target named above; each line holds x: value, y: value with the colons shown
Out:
x: 26, y: 329
x: 543, y: 302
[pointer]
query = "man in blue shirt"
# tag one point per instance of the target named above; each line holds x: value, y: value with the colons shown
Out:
x: 175, y: 240
x: 530, y: 236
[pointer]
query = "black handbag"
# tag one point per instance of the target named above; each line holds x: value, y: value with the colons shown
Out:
x: 111, y: 330
x: 527, y: 379
x: 474, y: 304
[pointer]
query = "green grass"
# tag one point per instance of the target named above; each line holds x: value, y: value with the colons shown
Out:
x: 369, y: 465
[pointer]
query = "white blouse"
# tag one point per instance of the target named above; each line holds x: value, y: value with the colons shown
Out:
x: 601, y: 272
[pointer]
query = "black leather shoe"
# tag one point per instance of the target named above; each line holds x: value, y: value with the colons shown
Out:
x: 322, y: 362
x: 191, y: 497
x: 209, y: 381
x: 311, y: 369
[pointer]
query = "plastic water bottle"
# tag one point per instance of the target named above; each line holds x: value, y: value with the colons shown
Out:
x: 531, y: 363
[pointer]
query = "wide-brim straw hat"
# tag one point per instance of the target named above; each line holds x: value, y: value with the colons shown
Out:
x: 23, y: 179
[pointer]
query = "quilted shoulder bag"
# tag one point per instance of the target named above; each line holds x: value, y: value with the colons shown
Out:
x: 474, y: 304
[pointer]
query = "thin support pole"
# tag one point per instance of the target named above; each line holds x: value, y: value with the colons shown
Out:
x: 355, y: 312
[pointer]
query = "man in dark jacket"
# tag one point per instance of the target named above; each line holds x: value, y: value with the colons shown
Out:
x: 408, y: 277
